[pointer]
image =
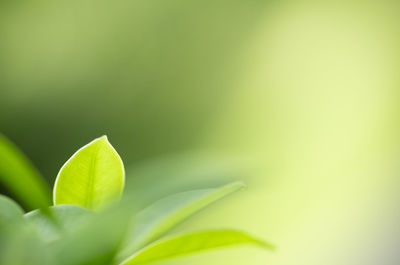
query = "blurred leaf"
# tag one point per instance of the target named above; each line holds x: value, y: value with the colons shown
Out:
x: 20, y: 246
x: 191, y: 243
x: 92, y: 177
x: 84, y: 237
x: 20, y: 243
x: 96, y: 241
x: 182, y: 171
x: 19, y: 176
x: 9, y: 210
x: 158, y: 218
x: 66, y: 218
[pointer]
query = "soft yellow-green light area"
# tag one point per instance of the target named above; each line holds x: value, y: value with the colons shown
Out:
x: 314, y: 106
x: 303, y: 93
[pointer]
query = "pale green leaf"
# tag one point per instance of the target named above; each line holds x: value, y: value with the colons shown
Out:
x: 191, y: 243
x: 19, y: 176
x: 20, y: 245
x: 9, y: 210
x: 96, y: 241
x: 158, y: 218
x: 65, y: 218
x: 92, y: 178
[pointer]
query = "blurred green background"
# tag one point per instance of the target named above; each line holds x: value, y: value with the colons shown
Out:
x: 297, y: 98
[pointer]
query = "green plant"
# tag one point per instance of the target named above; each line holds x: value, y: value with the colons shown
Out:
x: 91, y: 222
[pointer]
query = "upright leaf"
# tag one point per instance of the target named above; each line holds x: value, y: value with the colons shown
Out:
x: 19, y: 176
x: 191, y: 243
x: 158, y: 218
x: 92, y: 177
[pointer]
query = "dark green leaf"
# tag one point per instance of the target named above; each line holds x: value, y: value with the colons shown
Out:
x: 19, y: 176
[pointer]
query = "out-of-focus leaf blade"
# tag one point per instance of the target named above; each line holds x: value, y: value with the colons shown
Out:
x: 191, y: 243
x: 96, y: 242
x: 158, y: 218
x: 92, y: 177
x: 9, y: 210
x: 20, y: 244
x: 182, y: 172
x: 19, y: 176
x: 65, y: 218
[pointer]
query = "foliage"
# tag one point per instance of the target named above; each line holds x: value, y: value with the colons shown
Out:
x: 90, y: 223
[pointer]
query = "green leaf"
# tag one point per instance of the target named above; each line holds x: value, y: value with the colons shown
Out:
x: 191, y: 243
x: 92, y: 178
x: 19, y: 176
x: 9, y: 210
x: 65, y: 218
x: 19, y: 244
x: 158, y: 218
x: 96, y: 241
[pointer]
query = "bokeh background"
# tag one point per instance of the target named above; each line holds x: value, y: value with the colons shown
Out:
x: 297, y: 98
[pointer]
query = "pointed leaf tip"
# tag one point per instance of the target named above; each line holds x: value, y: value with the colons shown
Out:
x: 104, y: 137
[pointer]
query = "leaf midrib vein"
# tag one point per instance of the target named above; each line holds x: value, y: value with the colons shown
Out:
x: 92, y: 174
